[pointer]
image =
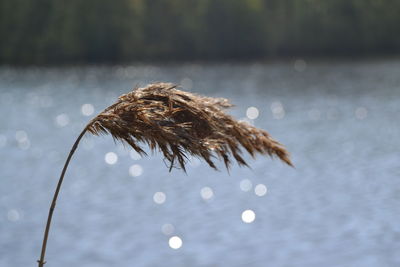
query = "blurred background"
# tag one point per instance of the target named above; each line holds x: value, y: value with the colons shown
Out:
x: 323, y: 77
x: 101, y: 31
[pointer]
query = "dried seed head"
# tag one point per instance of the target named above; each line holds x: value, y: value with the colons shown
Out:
x: 179, y: 124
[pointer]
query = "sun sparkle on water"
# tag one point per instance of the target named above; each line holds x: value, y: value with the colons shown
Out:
x: 13, y: 215
x: 159, y: 197
x: 167, y: 229
x: 278, y: 110
x: 111, y: 158
x: 135, y: 170
x: 62, y: 120
x: 248, y: 216
x: 175, y: 242
x: 260, y: 190
x: 87, y: 109
x: 206, y: 193
x: 22, y: 139
x: 246, y: 185
x: 252, y: 113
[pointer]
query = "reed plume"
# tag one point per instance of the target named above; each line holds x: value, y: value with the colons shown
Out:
x: 179, y: 124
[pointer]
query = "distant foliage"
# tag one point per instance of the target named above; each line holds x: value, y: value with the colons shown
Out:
x: 79, y: 31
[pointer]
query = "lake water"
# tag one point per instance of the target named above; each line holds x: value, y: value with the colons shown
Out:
x: 340, y: 206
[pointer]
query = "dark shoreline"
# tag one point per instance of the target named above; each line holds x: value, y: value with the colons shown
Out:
x: 270, y: 60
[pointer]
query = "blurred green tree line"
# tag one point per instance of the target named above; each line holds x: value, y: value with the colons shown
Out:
x: 79, y: 31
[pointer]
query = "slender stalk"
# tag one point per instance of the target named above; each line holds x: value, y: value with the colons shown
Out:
x: 53, y: 203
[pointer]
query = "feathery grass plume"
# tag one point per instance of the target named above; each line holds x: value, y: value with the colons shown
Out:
x: 179, y: 124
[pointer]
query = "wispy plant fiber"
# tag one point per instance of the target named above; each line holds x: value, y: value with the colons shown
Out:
x: 180, y: 124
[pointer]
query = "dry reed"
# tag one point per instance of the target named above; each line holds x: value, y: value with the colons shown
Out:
x: 178, y: 124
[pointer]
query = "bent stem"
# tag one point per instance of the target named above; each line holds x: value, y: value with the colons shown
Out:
x: 53, y: 203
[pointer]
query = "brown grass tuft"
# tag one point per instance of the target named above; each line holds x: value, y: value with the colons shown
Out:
x: 179, y: 124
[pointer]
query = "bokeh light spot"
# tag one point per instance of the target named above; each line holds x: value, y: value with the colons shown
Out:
x: 206, y: 193
x: 252, y: 113
x: 167, y: 229
x: 13, y: 215
x: 62, y: 120
x: 87, y: 109
x: 175, y: 242
x: 246, y: 185
x: 260, y: 190
x: 187, y: 83
x: 135, y: 170
x: 111, y: 158
x: 159, y: 197
x: 277, y: 110
x: 22, y: 139
x: 248, y: 216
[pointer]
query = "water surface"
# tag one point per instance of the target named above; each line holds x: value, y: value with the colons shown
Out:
x: 340, y: 206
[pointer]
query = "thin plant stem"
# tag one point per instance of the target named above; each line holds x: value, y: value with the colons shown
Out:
x: 53, y: 203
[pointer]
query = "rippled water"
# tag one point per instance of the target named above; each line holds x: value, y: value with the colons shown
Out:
x: 340, y: 206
